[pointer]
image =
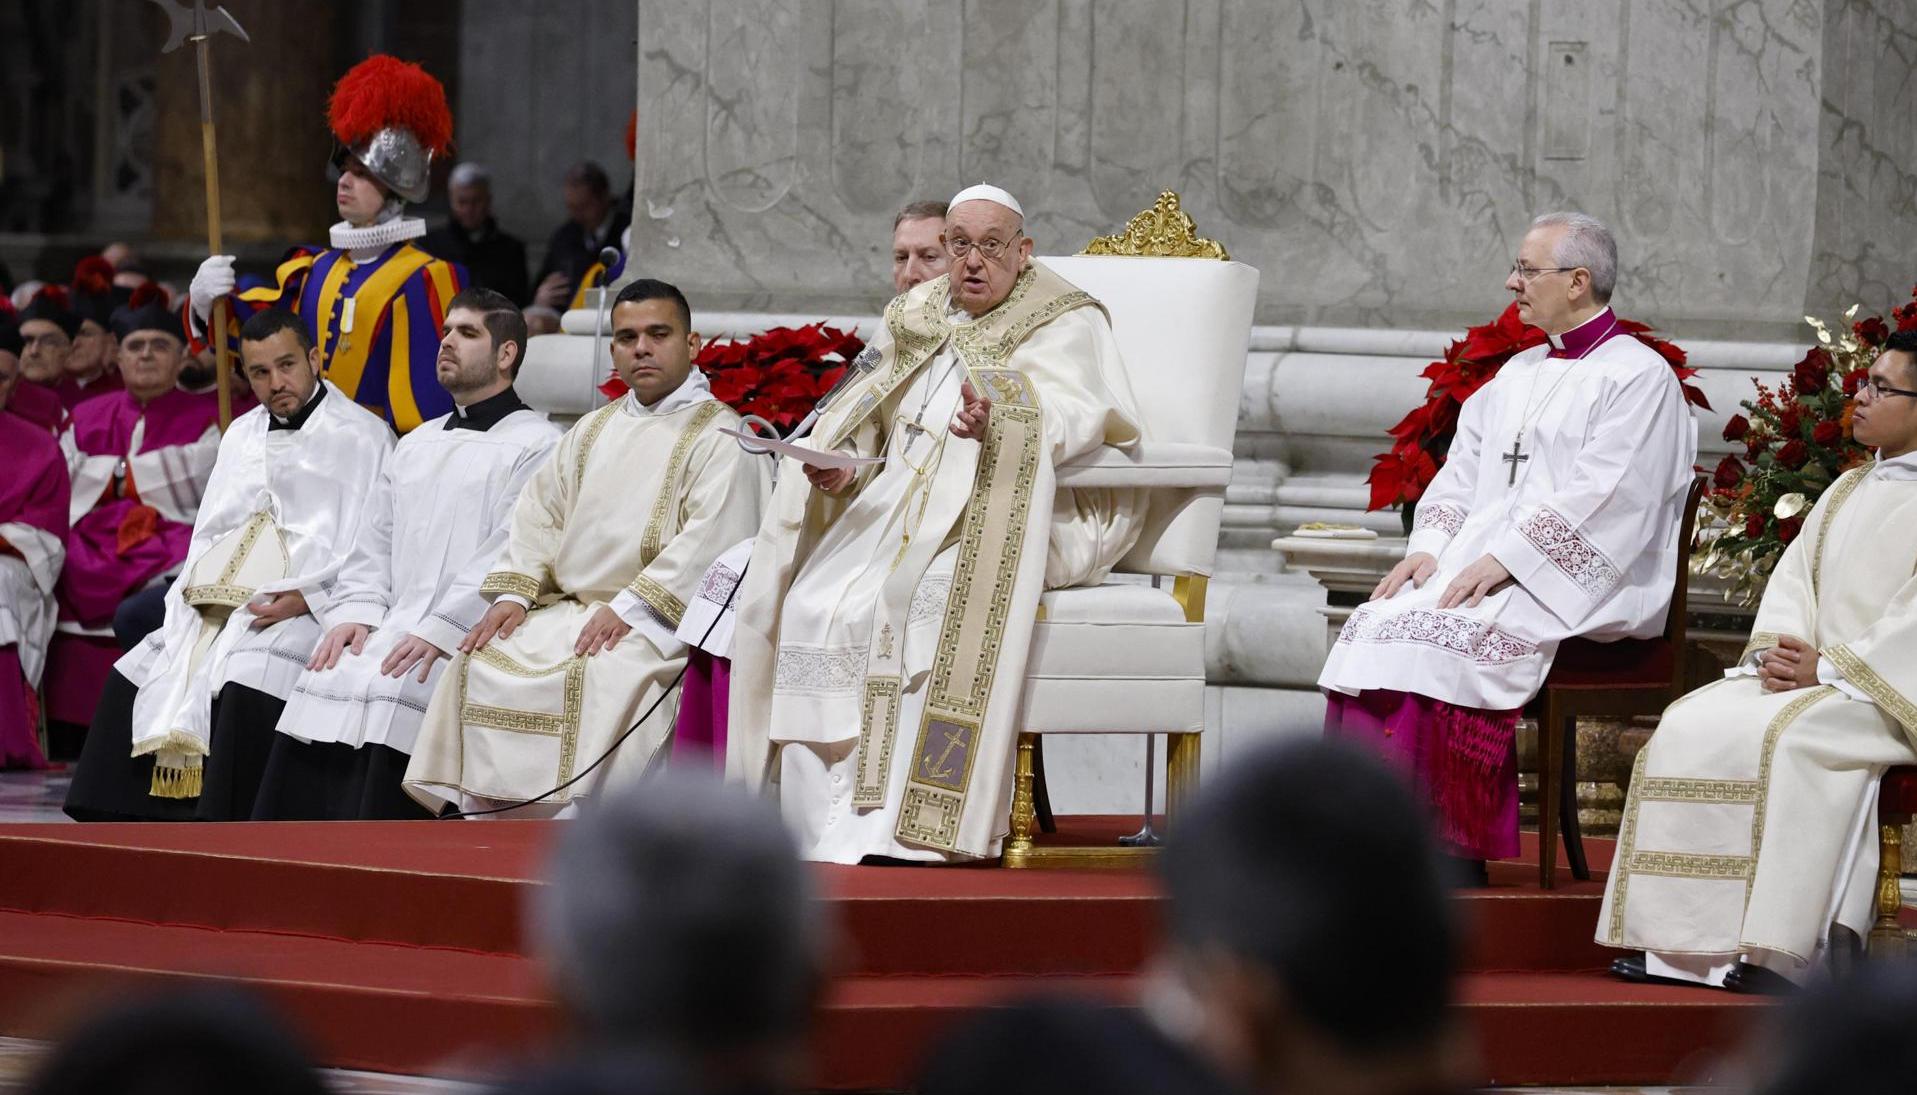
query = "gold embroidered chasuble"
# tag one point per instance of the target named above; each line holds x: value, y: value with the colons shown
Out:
x: 632, y: 503
x: 1750, y: 822
x: 899, y: 683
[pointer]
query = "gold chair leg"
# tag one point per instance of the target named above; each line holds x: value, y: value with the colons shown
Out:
x: 1018, y: 847
x: 1887, y: 938
x: 1181, y: 772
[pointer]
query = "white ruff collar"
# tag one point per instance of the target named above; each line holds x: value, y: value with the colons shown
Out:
x: 375, y: 237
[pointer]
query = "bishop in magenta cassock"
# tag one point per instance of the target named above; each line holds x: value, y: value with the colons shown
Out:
x: 139, y: 457
x: 1555, y: 515
x: 33, y: 527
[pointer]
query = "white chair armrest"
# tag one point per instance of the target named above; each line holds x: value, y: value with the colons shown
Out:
x: 1150, y: 464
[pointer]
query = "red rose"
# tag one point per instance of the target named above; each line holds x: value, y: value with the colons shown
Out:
x: 1754, y: 526
x: 1854, y: 380
x: 1813, y: 372
x: 1872, y: 331
x: 1736, y: 428
x: 1755, y: 445
x: 1789, y: 527
x: 1729, y: 473
x: 1827, y: 432
x: 1789, y: 419
x: 1794, y: 454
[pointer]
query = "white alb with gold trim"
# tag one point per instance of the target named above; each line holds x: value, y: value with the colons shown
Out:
x: 632, y: 507
x: 1748, y: 827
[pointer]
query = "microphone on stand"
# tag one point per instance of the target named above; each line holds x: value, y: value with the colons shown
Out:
x: 607, y: 257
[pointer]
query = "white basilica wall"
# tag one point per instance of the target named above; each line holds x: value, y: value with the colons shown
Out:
x: 1377, y: 160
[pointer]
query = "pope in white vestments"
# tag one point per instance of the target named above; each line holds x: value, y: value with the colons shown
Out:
x: 609, y: 540
x: 409, y: 592
x: 252, y: 599
x: 1556, y: 514
x: 886, y: 611
x: 1748, y: 832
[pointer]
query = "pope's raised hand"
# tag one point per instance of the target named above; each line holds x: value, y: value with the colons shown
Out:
x: 975, y: 410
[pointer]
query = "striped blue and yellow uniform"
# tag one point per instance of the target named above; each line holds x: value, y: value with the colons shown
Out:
x: 377, y: 323
x: 595, y: 276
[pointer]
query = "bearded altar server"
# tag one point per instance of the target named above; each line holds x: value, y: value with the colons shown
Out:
x: 409, y: 592
x: 180, y: 711
x: 139, y: 457
x: 1748, y: 834
x: 373, y: 302
x: 1556, y: 514
x: 33, y: 528
x: 886, y: 612
x: 609, y: 540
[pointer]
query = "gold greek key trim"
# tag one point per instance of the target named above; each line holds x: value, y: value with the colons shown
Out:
x: 506, y: 581
x: 1164, y: 230
x: 1626, y: 846
x: 1859, y: 673
x: 1772, y: 733
x: 660, y: 599
x: 1701, y: 791
x: 228, y: 596
x: 1690, y: 865
x: 1760, y: 641
x: 662, y: 502
x: 564, y: 726
x: 878, y: 729
x: 590, y: 428
x: 1840, y: 493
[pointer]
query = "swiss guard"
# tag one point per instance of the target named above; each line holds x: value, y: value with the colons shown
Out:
x: 373, y: 303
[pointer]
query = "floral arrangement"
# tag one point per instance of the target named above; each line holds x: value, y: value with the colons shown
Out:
x: 1421, y: 439
x: 777, y: 374
x: 1797, y: 441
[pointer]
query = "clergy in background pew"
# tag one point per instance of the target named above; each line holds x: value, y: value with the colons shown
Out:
x: 560, y: 690
x: 139, y: 455
x: 33, y: 533
x: 1555, y: 515
x: 184, y: 725
x: 409, y: 592
x: 1748, y: 837
x: 887, y: 609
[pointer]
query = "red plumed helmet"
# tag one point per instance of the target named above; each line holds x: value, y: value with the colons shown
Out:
x: 392, y: 116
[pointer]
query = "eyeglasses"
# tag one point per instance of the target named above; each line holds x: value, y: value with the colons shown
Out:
x: 1874, y: 389
x: 1526, y: 273
x: 988, y: 248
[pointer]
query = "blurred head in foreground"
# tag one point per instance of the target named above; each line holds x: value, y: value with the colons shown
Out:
x: 679, y: 925
x: 1856, y: 1034
x: 1311, y: 942
x: 203, y: 1042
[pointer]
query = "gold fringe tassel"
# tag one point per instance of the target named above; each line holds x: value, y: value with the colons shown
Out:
x: 177, y: 782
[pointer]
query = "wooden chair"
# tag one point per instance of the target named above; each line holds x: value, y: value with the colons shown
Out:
x: 1617, y: 680
x: 1896, y: 805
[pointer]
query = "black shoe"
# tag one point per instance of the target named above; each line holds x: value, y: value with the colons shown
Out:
x: 1465, y: 874
x: 1758, y: 981
x: 1632, y: 968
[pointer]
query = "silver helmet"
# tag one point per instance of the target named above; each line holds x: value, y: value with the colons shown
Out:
x: 396, y: 158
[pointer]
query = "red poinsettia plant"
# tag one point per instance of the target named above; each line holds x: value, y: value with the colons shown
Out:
x: 777, y: 374
x: 1422, y: 438
x: 1797, y: 441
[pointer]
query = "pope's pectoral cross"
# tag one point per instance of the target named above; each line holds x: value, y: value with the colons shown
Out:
x: 1516, y: 456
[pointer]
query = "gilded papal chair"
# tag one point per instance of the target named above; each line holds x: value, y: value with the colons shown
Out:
x: 1128, y: 657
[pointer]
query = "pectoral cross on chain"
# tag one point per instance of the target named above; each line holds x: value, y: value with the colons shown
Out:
x: 1516, y: 456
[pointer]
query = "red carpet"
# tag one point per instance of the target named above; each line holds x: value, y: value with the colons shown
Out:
x: 397, y: 947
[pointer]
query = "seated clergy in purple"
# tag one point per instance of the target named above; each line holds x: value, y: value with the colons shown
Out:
x: 33, y: 526
x: 139, y: 460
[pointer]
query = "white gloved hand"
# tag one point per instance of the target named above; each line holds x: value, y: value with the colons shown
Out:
x: 213, y: 280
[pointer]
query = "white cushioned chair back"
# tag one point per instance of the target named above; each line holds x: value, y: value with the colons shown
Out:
x: 1183, y: 327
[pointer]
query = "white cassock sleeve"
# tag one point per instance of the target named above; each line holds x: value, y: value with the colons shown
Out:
x: 459, y: 608
x: 363, y: 592
x: 1446, y: 503
x: 173, y: 479
x: 1604, y: 517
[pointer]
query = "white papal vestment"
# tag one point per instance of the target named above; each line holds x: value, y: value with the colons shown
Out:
x: 1748, y: 830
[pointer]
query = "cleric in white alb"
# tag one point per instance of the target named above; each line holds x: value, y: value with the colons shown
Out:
x: 253, y: 597
x: 1556, y: 514
x: 409, y: 592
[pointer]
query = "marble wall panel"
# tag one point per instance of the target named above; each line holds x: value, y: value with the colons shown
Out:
x: 1377, y: 159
